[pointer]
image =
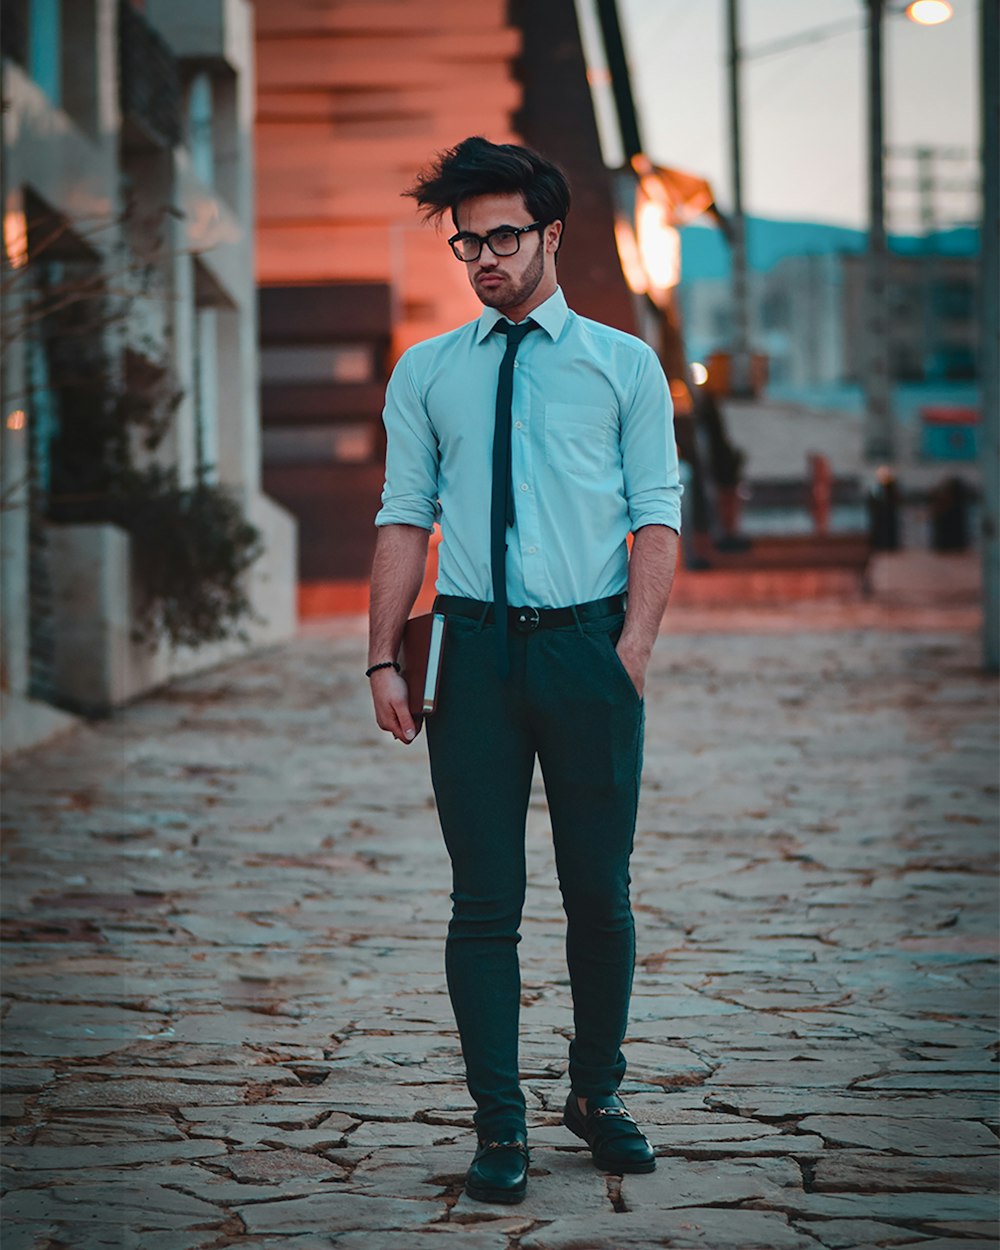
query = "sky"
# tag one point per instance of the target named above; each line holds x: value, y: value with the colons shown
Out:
x: 804, y: 118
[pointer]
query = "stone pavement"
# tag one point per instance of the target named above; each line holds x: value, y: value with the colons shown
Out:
x: 226, y: 1021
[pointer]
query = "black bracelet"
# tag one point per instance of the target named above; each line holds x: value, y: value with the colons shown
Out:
x: 385, y: 664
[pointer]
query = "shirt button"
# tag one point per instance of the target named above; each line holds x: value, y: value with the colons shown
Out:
x: 517, y: 364
x: 518, y: 425
x: 532, y: 550
x: 524, y: 485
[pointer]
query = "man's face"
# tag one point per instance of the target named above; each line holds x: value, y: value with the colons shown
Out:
x: 510, y: 282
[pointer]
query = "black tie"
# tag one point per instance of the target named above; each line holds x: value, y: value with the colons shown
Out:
x: 502, y: 507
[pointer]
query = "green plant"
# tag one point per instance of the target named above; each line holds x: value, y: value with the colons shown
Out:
x: 100, y: 403
x: 191, y: 546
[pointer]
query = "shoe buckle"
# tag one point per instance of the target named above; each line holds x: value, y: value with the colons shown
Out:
x: 619, y: 1111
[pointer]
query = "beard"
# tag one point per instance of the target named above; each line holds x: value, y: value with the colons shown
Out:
x: 509, y: 294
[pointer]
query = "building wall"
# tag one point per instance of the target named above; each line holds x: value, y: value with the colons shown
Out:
x: 353, y: 100
x: 933, y: 325
x: 173, y: 234
x: 808, y: 317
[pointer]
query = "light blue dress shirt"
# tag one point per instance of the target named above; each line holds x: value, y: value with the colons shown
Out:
x: 593, y: 454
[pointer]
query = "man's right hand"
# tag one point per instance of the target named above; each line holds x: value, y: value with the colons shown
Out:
x: 392, y: 710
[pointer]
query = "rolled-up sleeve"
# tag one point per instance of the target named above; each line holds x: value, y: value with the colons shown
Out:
x: 410, y: 493
x: 649, y: 453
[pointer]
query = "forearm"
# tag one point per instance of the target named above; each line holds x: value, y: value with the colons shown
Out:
x: 650, y: 577
x: 397, y: 574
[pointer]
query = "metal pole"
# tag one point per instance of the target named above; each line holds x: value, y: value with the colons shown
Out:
x: 990, y: 327
x: 878, y: 413
x: 739, y: 364
x: 928, y: 231
x: 621, y: 83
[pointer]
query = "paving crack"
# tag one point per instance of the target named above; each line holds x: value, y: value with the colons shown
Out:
x: 514, y: 1239
x: 615, y: 1196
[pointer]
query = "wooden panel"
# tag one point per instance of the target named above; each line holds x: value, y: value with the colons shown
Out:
x: 309, y: 253
x: 345, y: 180
x: 282, y: 145
x: 276, y: 17
x: 302, y: 314
x: 388, y: 61
x: 333, y: 104
x: 299, y: 193
x: 320, y: 405
x: 353, y: 100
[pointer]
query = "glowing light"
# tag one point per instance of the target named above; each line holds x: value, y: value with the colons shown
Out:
x: 16, y: 419
x: 659, y: 246
x: 15, y: 237
x: 628, y: 255
x: 679, y: 393
x: 929, y: 12
x: 699, y: 374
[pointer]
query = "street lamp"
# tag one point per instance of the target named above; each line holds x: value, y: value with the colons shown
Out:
x: 739, y: 367
x: 989, y: 25
x: 878, y: 434
x: 879, y: 441
x: 929, y: 12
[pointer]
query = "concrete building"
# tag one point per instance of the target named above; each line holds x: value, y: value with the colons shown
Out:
x: 808, y: 319
x: 127, y: 176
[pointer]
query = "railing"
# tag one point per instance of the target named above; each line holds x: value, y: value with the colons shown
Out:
x: 149, y: 81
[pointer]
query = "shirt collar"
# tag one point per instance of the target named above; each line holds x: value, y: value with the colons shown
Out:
x: 550, y: 315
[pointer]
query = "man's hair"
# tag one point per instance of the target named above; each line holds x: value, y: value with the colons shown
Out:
x: 477, y: 167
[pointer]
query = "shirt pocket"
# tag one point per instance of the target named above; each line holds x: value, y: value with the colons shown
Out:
x: 578, y: 438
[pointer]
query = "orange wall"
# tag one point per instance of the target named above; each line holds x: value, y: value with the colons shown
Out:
x: 352, y: 99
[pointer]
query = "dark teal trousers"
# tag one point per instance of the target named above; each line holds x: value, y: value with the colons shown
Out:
x: 568, y: 702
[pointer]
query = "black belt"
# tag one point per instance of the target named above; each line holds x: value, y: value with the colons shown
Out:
x: 527, y: 620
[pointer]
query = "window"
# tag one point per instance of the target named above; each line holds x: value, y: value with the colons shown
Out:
x: 722, y: 322
x: 953, y: 300
x: 905, y: 363
x: 56, y: 42
x: 775, y: 311
x: 954, y: 362
x: 204, y: 382
x: 199, y: 128
x: 44, y: 46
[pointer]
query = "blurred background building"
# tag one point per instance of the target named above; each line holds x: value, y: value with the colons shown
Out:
x: 130, y: 338
x: 209, y: 264
x: 806, y: 298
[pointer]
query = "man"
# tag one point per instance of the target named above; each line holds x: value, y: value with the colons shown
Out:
x: 539, y: 440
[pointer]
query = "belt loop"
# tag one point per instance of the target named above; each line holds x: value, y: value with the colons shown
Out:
x: 576, y: 617
x: 483, y: 615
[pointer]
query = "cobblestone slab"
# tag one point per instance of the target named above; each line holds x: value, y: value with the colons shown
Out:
x: 683, y: 1230
x: 848, y: 1234
x: 225, y: 1015
x: 916, y: 1136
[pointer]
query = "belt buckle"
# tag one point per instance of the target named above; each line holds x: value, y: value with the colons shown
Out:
x: 528, y: 619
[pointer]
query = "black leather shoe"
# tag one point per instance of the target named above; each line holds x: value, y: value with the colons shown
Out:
x: 499, y: 1171
x: 616, y: 1142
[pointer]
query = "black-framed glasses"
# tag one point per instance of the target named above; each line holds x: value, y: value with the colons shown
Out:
x: 503, y: 241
